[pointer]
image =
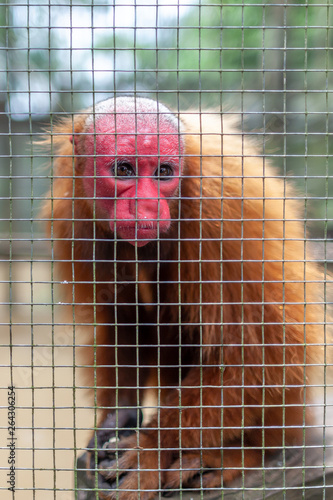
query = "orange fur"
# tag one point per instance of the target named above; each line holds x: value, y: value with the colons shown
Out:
x: 242, y: 303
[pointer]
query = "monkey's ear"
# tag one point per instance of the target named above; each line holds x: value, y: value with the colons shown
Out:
x: 75, y: 139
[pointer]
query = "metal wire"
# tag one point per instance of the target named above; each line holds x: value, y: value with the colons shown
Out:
x: 265, y: 67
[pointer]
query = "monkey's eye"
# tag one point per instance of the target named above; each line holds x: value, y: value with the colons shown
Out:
x: 164, y: 172
x: 123, y: 169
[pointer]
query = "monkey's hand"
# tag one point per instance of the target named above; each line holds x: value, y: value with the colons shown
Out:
x: 133, y: 465
x: 137, y: 469
x: 155, y: 459
x: 116, y: 425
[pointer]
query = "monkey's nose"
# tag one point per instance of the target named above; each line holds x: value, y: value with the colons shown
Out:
x: 145, y: 208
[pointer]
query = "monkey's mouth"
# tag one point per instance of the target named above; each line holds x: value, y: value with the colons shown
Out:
x: 137, y: 227
x: 140, y: 233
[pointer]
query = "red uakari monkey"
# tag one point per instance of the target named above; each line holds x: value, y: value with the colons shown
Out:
x: 187, y: 257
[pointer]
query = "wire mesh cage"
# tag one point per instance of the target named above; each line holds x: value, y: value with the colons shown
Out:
x: 165, y: 249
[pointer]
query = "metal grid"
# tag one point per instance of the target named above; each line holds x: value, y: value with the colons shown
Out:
x: 265, y: 67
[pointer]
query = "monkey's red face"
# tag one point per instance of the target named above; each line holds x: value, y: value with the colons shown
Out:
x: 132, y: 171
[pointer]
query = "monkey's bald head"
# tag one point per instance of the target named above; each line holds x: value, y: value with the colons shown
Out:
x: 133, y: 151
x: 135, y: 114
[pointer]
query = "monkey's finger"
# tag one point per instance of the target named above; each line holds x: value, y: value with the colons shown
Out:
x: 181, y: 472
x: 119, y: 423
x: 105, y: 487
x: 118, y: 466
x: 205, y: 479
